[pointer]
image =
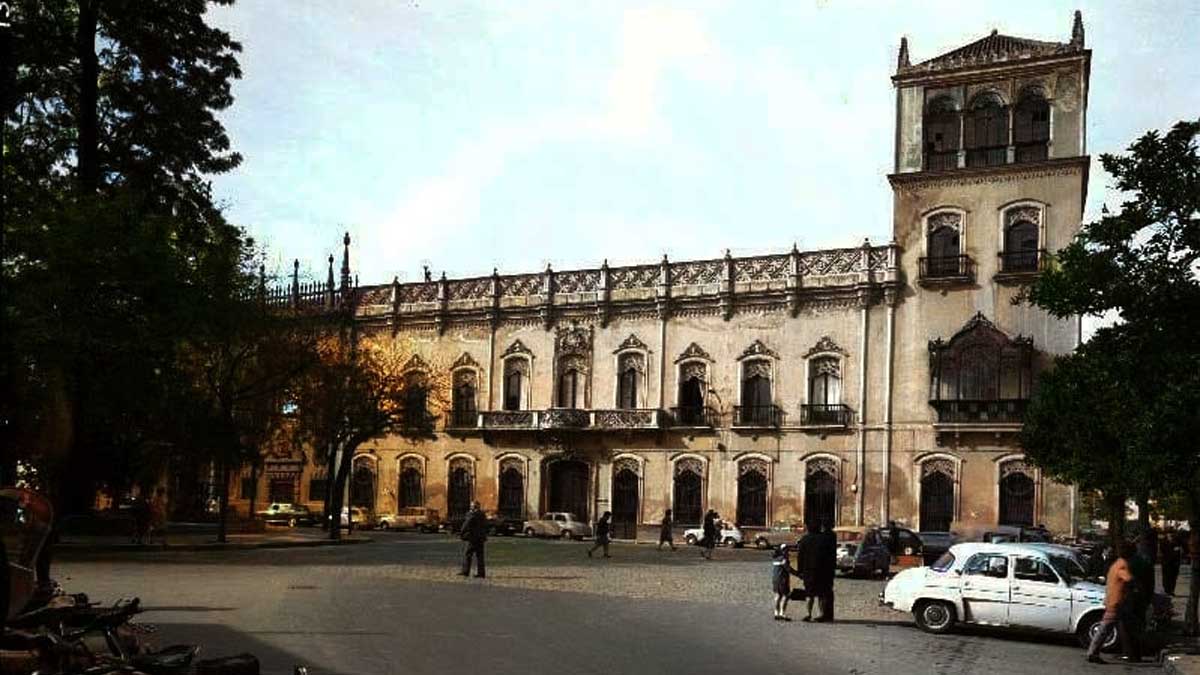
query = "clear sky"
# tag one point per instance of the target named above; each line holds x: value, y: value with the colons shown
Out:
x: 473, y: 135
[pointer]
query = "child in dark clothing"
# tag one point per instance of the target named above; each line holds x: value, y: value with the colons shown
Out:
x: 781, y: 581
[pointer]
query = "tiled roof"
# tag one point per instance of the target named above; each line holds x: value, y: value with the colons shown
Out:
x: 994, y: 48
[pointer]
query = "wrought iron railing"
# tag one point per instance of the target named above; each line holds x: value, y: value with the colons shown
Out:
x: 947, y: 267
x: 693, y: 416
x: 757, y: 416
x: 941, y: 161
x: 826, y: 414
x: 968, y: 411
x: 1022, y: 261
x: 564, y: 418
x: 994, y: 155
x: 509, y: 419
x: 628, y: 418
x: 464, y: 419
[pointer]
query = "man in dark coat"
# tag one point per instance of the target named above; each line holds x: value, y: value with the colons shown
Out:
x: 826, y: 570
x: 603, y: 534
x: 710, y: 533
x: 808, y: 560
x: 474, y: 532
x: 665, y: 536
x: 1141, y: 566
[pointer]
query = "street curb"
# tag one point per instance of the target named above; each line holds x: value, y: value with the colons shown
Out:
x: 62, y: 548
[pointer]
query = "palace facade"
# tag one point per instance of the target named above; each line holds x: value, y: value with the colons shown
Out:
x: 851, y: 386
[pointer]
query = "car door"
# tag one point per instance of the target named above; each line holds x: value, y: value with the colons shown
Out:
x: 985, y: 589
x: 1039, y: 599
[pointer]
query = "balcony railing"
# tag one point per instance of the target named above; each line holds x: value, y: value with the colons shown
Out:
x: 1022, y: 262
x: 564, y: 418
x: 947, y: 267
x: 995, y: 155
x: 966, y: 411
x: 941, y: 161
x: 627, y: 418
x: 825, y: 415
x: 693, y: 416
x: 509, y: 419
x: 463, y: 419
x: 757, y: 416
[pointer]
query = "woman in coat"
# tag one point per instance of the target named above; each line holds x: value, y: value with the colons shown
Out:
x: 709, y: 540
x: 603, y: 532
x: 665, y: 535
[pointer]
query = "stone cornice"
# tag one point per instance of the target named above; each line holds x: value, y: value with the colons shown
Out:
x: 976, y: 72
x: 917, y: 181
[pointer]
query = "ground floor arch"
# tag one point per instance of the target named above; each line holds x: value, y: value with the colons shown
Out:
x: 821, y: 492
x: 626, y: 499
x: 568, y: 487
x: 753, y: 492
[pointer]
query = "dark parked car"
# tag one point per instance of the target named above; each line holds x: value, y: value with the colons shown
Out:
x: 934, y: 544
x: 1018, y: 534
x: 497, y: 525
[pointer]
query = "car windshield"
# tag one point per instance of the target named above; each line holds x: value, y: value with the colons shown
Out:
x: 943, y: 563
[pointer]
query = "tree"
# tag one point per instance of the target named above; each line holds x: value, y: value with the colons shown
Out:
x: 1140, y: 264
x: 362, y: 389
x: 110, y: 136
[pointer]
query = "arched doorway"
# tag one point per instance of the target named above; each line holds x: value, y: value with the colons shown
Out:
x: 689, y: 492
x: 752, y: 493
x: 512, y: 491
x: 1016, y: 495
x: 411, y: 492
x: 461, y: 490
x: 937, y: 496
x: 625, y: 500
x: 362, y: 486
x: 568, y: 488
x: 820, y: 493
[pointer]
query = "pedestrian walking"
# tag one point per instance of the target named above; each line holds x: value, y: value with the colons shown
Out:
x: 603, y: 534
x: 781, y: 581
x: 1171, y: 556
x: 807, y: 560
x: 827, y: 570
x: 1116, y: 588
x: 1140, y: 595
x: 708, y: 539
x: 140, y: 510
x: 474, y: 532
x: 665, y: 534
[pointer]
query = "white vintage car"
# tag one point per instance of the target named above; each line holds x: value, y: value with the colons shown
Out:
x: 731, y: 535
x: 1029, y: 586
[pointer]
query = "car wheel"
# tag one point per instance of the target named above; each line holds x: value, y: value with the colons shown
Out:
x: 292, y: 522
x: 761, y: 543
x: 384, y: 525
x: 934, y: 616
x: 529, y: 532
x: 690, y: 540
x: 1086, y: 632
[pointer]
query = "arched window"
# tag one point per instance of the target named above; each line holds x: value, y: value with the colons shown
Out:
x: 416, y: 395
x: 626, y: 497
x: 937, y: 495
x: 462, y: 488
x: 1017, y: 492
x: 985, y: 128
x: 362, y: 485
x: 1031, y: 126
x: 411, y: 493
x: 752, y: 493
x: 629, y: 378
x: 825, y: 381
x: 941, y: 128
x: 820, y: 492
x: 516, y: 373
x: 757, y: 408
x: 691, y: 411
x: 1020, y: 246
x: 568, y: 388
x: 688, y: 495
x: 980, y: 375
x: 512, y: 489
x: 464, y: 412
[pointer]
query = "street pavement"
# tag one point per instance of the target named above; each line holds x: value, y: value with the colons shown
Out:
x: 396, y: 606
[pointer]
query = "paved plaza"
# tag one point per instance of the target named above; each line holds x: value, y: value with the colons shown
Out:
x: 396, y: 606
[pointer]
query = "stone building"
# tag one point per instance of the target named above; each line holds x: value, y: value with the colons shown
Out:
x: 851, y: 385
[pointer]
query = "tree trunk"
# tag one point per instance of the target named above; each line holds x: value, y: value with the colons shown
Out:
x: 1115, y: 505
x: 253, y: 487
x: 337, y: 497
x: 222, y: 499
x: 1191, y: 626
x: 88, y: 114
x: 330, y: 472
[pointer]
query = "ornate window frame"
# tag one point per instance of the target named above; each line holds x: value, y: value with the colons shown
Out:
x: 694, y: 355
x: 918, y: 474
x: 623, y: 460
x: 839, y: 471
x: 942, y: 213
x: 673, y: 462
x: 1031, y: 470
x: 825, y: 348
x: 1027, y: 207
x: 573, y: 345
x: 632, y: 347
x: 466, y: 364
x: 517, y: 352
x: 423, y: 463
x: 758, y: 353
x: 509, y: 458
x: 751, y: 456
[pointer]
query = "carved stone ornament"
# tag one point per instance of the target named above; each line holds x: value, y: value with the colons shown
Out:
x: 462, y: 463
x: 626, y: 464
x: 364, y: 461
x: 825, y: 366
x: 944, y: 219
x: 689, y: 465
x: 574, y: 362
x: 519, y: 364
x: 752, y: 465
x: 814, y: 466
x: 464, y: 361
x: 631, y: 360
x: 757, y: 368
x: 1027, y: 213
x: 517, y: 347
x: 512, y: 464
x: 826, y: 345
x: 1015, y: 466
x: 757, y: 348
x: 415, y: 362
x: 574, y: 339
x: 631, y: 343
x: 693, y: 370
x: 942, y: 466
x: 411, y: 463
x: 693, y: 351
x: 464, y: 377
